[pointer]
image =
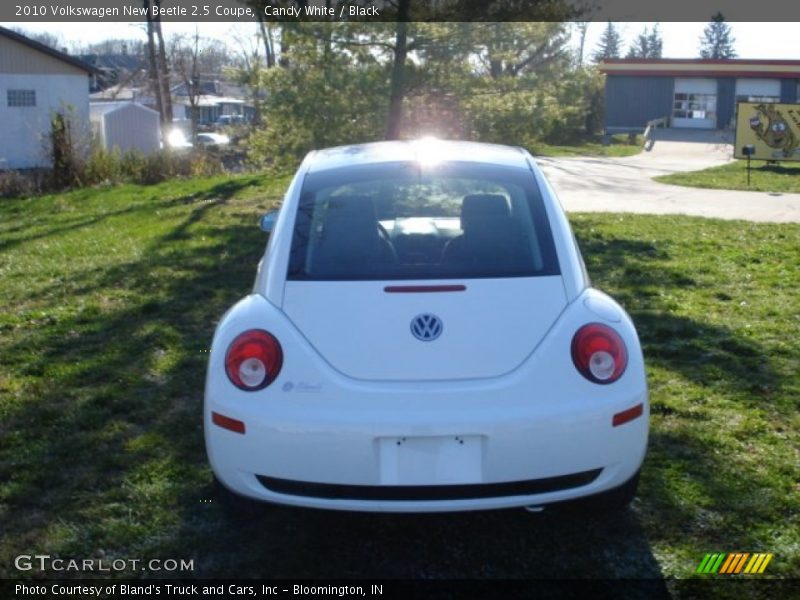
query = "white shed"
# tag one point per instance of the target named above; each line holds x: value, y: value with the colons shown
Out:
x: 35, y: 82
x: 126, y: 126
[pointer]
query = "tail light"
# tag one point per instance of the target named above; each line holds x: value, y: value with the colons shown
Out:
x: 599, y: 353
x: 253, y: 360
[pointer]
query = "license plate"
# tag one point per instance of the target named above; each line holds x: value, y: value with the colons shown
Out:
x: 431, y: 460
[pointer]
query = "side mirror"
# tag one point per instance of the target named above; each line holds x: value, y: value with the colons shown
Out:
x: 268, y: 221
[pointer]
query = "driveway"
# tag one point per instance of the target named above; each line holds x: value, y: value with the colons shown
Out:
x: 595, y: 184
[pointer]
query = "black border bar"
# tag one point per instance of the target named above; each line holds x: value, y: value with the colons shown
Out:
x: 31, y: 11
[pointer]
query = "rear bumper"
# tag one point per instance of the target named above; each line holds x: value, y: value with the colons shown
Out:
x: 321, y: 439
x: 346, y: 459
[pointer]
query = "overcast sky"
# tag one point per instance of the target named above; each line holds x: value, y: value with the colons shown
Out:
x: 681, y: 40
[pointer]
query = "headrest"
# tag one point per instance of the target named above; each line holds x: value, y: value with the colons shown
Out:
x: 476, y: 207
x: 351, y: 207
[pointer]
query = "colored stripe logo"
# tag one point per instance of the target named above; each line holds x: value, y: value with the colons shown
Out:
x: 734, y: 562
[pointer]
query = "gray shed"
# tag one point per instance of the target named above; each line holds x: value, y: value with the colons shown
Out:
x: 126, y: 126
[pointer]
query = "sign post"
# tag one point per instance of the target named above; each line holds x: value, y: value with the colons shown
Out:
x: 748, y: 151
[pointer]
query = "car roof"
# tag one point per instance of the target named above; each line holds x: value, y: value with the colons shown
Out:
x: 422, y: 150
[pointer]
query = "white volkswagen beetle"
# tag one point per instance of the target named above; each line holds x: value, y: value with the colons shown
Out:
x: 422, y: 336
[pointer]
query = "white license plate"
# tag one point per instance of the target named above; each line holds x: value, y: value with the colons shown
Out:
x: 431, y: 460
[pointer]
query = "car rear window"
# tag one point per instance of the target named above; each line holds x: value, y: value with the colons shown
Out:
x: 407, y: 221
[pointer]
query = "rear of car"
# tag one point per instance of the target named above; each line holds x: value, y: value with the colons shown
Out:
x: 422, y: 337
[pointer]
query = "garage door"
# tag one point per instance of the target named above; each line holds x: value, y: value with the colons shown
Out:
x: 758, y: 90
x: 695, y: 103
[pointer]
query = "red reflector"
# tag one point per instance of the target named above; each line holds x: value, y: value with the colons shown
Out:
x: 421, y: 289
x: 627, y: 415
x: 227, y: 422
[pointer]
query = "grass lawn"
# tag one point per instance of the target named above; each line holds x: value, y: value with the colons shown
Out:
x: 618, y: 147
x: 110, y: 297
x: 783, y: 178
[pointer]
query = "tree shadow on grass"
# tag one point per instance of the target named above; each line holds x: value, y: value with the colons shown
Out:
x: 104, y: 454
x: 651, y: 289
x: 220, y: 193
x: 693, y: 493
x: 287, y: 542
x: 104, y: 450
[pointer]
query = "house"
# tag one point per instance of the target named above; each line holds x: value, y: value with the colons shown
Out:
x: 113, y: 69
x: 35, y: 82
x: 126, y: 126
x: 692, y: 93
x: 216, y: 102
x: 141, y: 94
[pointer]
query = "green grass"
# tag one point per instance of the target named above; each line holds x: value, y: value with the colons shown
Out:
x: 783, y: 178
x: 619, y: 147
x: 110, y: 297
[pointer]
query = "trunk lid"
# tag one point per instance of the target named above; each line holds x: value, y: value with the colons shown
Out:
x: 485, y: 330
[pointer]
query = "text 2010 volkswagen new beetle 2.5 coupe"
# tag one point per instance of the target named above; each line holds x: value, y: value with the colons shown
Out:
x: 422, y: 336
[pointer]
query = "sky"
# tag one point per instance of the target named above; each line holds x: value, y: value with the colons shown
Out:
x: 681, y: 40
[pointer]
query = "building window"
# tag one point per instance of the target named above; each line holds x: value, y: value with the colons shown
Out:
x: 21, y: 97
x: 694, y: 106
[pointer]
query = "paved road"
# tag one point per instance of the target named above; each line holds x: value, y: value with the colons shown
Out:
x: 626, y: 185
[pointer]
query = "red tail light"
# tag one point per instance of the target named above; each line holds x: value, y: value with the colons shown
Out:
x: 254, y: 360
x: 599, y: 353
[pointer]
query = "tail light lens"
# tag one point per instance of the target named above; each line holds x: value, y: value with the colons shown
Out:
x: 253, y: 360
x: 599, y: 353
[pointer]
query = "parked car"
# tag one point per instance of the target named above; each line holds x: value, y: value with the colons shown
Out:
x: 231, y: 120
x: 422, y: 336
x: 212, y: 139
x: 177, y: 140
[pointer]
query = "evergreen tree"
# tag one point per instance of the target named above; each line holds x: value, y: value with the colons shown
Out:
x: 656, y: 44
x: 640, y: 48
x: 717, y: 41
x: 610, y: 45
x: 647, y: 44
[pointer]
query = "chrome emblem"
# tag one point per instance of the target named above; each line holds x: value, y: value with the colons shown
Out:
x: 426, y: 327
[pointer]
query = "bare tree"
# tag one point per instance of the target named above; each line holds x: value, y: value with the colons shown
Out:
x: 266, y: 39
x: 43, y: 37
x: 155, y: 74
x: 250, y: 64
x: 185, y: 54
x: 163, y: 68
x: 582, y: 28
x: 397, y: 88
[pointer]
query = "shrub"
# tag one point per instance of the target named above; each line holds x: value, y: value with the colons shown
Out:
x: 103, y: 166
x: 14, y: 184
x: 64, y: 155
x: 113, y: 166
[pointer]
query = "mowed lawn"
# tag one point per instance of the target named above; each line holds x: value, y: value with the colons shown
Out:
x: 109, y: 300
x: 783, y: 178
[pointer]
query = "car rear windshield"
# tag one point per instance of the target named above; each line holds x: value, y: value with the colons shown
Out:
x: 407, y: 221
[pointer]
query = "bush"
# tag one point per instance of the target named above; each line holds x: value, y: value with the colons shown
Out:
x: 526, y: 111
x: 103, y: 166
x: 79, y: 162
x: 113, y: 166
x: 329, y: 103
x: 66, y: 150
x: 14, y: 184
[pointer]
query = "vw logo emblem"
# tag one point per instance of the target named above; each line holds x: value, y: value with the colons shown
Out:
x: 426, y: 327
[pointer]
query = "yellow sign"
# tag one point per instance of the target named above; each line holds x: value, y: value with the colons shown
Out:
x: 772, y: 129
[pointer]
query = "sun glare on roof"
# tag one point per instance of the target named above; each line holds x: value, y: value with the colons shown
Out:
x: 429, y: 150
